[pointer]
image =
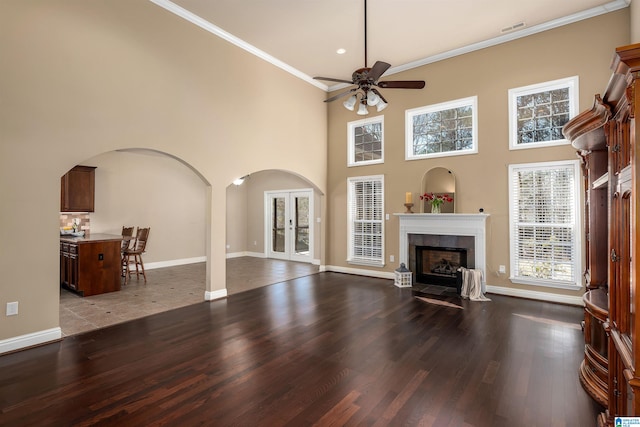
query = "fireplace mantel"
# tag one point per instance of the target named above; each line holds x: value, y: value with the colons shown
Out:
x: 450, y: 224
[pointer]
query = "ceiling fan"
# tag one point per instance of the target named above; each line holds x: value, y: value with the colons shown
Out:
x: 366, y: 80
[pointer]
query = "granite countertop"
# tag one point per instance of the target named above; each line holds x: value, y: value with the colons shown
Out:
x: 90, y: 237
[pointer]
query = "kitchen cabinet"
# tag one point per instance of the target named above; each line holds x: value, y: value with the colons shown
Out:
x: 91, y: 265
x: 77, y: 190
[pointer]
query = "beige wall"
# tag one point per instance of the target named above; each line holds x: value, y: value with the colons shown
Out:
x: 634, y: 8
x: 147, y: 189
x: 237, y: 213
x: 584, y: 49
x: 84, y: 78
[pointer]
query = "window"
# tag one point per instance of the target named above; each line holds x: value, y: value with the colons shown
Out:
x: 365, y: 201
x: 538, y: 112
x: 366, y: 141
x: 544, y: 224
x: 445, y: 129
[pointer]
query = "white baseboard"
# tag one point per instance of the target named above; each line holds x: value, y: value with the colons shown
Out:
x: 360, y: 272
x: 536, y: 295
x: 30, y: 340
x: 246, y: 253
x: 174, y: 262
x: 213, y: 295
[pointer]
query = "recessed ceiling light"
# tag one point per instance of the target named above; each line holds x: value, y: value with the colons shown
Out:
x: 341, y: 51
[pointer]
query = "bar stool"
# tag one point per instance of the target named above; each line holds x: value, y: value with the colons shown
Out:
x: 135, y: 252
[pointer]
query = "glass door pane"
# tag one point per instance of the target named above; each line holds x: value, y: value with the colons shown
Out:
x: 278, y: 225
x: 301, y: 218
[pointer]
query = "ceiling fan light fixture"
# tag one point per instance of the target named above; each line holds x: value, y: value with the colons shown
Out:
x: 372, y: 99
x: 350, y: 103
x: 362, y: 109
x: 365, y: 80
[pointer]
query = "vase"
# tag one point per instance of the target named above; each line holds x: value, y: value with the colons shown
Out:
x: 435, y: 208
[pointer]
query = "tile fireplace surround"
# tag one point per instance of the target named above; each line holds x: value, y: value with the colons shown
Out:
x: 448, y: 225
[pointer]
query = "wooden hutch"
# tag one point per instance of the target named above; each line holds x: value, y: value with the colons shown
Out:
x: 608, y: 141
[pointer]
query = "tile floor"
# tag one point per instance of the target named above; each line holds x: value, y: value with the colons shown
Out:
x: 169, y: 288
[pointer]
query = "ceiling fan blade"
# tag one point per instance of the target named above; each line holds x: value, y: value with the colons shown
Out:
x: 374, y: 90
x: 402, y: 84
x: 378, y: 70
x: 340, y: 95
x: 331, y: 79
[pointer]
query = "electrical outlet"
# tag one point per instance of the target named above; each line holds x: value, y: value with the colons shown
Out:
x: 502, y: 269
x: 255, y: 243
x: 392, y: 258
x: 387, y: 217
x: 12, y: 308
x: 228, y: 246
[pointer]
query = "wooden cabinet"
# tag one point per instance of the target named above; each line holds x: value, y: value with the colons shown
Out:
x: 91, y: 265
x: 77, y: 190
x: 594, y: 369
x: 69, y: 265
x: 609, y: 135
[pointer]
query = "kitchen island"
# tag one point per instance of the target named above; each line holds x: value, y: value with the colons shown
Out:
x: 90, y: 265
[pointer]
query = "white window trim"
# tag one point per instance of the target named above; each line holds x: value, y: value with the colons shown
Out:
x: 572, y: 83
x: 350, y: 258
x: 351, y: 141
x: 448, y: 105
x: 577, y: 284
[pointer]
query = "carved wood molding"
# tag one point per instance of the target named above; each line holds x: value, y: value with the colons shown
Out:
x: 585, y: 131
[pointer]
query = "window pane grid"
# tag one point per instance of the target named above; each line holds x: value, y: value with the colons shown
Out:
x: 448, y: 128
x: 366, y: 141
x: 538, y: 112
x: 443, y: 131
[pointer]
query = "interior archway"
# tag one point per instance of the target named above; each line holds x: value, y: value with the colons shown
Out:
x: 141, y: 187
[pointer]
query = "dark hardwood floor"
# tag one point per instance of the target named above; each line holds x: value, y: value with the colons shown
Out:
x: 326, y: 349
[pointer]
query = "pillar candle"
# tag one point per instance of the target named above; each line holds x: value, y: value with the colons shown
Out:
x: 407, y: 198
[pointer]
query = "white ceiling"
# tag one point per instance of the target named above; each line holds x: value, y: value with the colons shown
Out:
x: 302, y: 36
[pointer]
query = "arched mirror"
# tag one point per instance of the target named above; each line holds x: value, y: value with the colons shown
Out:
x: 441, y: 183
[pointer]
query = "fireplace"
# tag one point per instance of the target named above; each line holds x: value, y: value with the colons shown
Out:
x: 436, y: 265
x: 466, y: 231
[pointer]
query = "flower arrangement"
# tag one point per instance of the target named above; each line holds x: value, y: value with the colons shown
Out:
x: 436, y: 200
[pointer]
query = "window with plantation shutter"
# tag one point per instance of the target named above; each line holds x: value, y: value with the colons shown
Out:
x: 545, y: 224
x: 365, y: 220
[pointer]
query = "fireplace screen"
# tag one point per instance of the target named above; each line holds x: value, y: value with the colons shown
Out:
x: 438, y: 265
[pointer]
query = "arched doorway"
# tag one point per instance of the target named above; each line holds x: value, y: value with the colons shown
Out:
x: 145, y: 188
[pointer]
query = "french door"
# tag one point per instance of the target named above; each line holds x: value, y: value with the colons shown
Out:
x: 288, y: 221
